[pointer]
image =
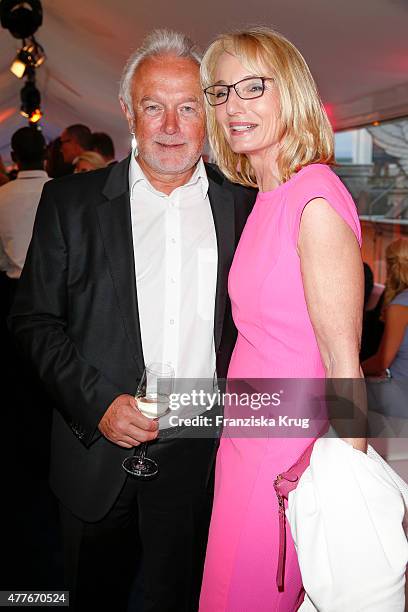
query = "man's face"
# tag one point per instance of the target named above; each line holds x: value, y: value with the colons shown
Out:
x: 70, y: 148
x: 168, y: 114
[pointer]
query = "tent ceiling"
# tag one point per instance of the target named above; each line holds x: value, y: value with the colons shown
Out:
x: 357, y: 51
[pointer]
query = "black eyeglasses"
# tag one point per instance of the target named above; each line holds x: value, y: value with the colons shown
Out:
x: 246, y: 89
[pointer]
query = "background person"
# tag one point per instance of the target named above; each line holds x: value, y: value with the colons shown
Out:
x: 75, y: 139
x: 3, y: 173
x: 54, y: 163
x: 19, y: 199
x: 18, y: 206
x: 373, y: 326
x: 103, y: 144
x: 392, y: 353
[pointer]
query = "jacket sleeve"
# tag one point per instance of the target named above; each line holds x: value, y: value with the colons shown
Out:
x: 39, y: 321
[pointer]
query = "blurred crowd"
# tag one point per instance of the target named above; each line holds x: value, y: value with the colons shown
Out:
x: 77, y: 149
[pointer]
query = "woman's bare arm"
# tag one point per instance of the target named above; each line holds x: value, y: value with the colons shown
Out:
x: 333, y: 281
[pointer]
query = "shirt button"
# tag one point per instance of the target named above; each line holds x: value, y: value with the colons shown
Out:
x: 171, y: 321
x: 173, y: 240
x: 172, y: 280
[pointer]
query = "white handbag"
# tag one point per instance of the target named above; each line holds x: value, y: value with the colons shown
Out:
x: 346, y: 518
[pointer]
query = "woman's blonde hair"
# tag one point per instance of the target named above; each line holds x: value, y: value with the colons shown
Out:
x: 396, y: 255
x: 93, y: 158
x: 305, y: 131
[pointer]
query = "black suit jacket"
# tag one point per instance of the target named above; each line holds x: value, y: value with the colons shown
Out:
x: 76, y: 316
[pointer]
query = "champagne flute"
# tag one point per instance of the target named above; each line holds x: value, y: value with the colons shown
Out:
x: 153, y: 397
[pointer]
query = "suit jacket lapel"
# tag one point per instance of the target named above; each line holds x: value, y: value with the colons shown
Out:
x: 222, y: 205
x: 115, y: 224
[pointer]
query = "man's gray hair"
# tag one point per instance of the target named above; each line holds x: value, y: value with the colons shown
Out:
x: 157, y: 43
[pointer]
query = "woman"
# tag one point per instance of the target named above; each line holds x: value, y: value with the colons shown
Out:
x: 391, y: 359
x: 392, y: 353
x: 297, y: 266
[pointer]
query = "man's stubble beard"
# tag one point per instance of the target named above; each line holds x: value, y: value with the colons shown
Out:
x: 168, y: 166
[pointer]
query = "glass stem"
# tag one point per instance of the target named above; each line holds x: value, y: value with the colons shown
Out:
x: 142, y: 452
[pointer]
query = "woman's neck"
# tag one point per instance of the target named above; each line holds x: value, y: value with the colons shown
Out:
x: 264, y: 164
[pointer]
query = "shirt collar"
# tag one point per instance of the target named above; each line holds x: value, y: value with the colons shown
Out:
x: 25, y: 174
x: 136, y: 175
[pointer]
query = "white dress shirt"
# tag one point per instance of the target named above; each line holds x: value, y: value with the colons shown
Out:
x: 18, y: 205
x: 175, y: 249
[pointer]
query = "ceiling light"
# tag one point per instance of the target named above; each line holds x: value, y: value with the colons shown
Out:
x: 18, y: 67
x: 35, y: 116
x: 22, y: 19
x: 30, y: 101
x: 31, y: 55
x: 35, y: 52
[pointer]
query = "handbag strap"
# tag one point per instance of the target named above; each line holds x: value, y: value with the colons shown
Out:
x: 280, y: 574
x: 283, y: 485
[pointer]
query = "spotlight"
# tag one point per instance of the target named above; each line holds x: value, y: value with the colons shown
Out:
x: 31, y: 55
x: 19, y: 65
x: 22, y: 19
x: 35, y: 116
x: 31, y: 102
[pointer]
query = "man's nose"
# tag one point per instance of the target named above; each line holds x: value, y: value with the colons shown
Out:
x: 170, y: 122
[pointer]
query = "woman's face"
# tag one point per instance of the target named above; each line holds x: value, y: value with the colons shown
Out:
x: 250, y: 126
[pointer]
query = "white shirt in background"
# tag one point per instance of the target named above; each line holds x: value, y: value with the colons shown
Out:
x: 18, y: 205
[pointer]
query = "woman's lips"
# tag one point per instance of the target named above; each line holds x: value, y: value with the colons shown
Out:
x: 241, y: 127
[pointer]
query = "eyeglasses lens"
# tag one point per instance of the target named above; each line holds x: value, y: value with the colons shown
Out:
x: 245, y: 89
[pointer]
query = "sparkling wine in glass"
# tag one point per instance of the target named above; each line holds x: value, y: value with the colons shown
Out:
x: 153, y: 397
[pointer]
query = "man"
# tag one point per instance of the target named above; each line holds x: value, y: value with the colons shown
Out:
x: 75, y: 139
x: 18, y: 206
x: 19, y: 200
x: 103, y: 144
x: 134, y: 270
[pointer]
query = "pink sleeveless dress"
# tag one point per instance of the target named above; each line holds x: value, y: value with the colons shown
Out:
x: 275, y: 340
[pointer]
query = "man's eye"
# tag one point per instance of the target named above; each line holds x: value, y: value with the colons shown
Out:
x: 187, y: 109
x: 152, y: 108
